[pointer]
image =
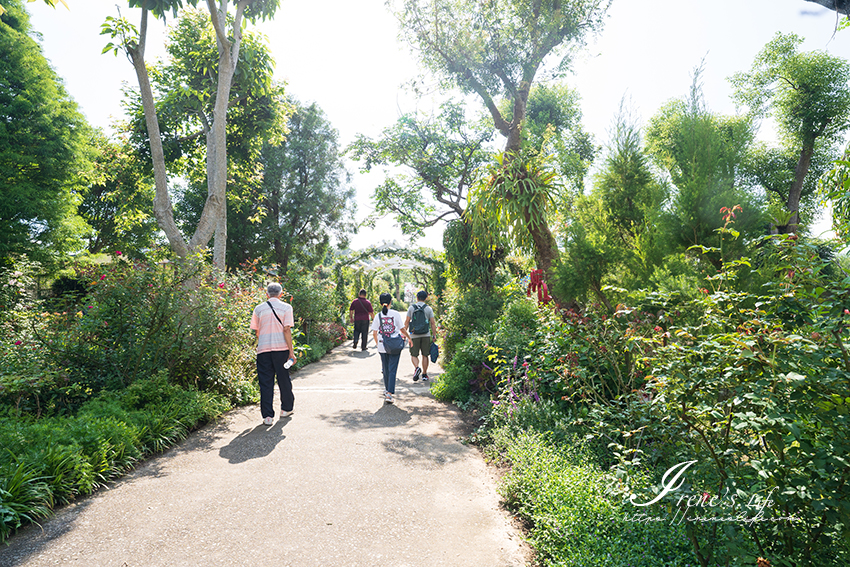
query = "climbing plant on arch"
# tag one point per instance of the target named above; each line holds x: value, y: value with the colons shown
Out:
x: 390, y: 256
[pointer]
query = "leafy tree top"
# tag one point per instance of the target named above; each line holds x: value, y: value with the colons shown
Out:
x: 807, y: 92
x: 254, y: 9
x: 42, y: 147
x: 496, y: 47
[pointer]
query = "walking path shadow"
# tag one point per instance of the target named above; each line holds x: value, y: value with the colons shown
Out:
x: 254, y: 443
x: 352, y: 482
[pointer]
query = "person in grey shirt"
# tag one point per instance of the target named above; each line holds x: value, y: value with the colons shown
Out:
x: 422, y: 328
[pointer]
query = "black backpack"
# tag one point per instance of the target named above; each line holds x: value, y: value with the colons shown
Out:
x: 419, y: 324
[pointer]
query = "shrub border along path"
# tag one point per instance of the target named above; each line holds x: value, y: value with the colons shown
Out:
x: 346, y: 481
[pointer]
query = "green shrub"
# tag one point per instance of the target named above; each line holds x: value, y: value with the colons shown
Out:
x: 469, y: 312
x: 466, y: 374
x: 400, y: 306
x: 750, y: 385
x: 312, y: 298
x: 17, y: 286
x: 69, y: 289
x: 138, y: 319
x: 332, y: 333
x: 478, y: 361
x: 572, y: 519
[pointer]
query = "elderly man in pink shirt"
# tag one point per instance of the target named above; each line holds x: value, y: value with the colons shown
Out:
x: 273, y: 320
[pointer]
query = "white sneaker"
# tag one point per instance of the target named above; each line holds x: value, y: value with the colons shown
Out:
x: 267, y: 421
x: 388, y: 398
x: 286, y: 413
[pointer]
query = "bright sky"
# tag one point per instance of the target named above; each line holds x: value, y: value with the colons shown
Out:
x: 346, y: 56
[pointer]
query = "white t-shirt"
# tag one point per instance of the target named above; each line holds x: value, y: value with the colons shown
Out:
x: 392, y: 324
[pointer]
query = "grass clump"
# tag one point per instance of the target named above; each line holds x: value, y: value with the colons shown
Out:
x: 51, y: 460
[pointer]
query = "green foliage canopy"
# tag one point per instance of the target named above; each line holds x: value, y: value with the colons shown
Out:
x: 808, y: 93
x: 305, y: 194
x: 703, y: 153
x: 42, y: 148
x: 616, y: 231
x: 440, y: 158
x: 117, y: 201
x: 496, y: 49
x: 185, y: 89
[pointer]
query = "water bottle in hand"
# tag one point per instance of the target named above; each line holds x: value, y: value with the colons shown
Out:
x: 288, y: 363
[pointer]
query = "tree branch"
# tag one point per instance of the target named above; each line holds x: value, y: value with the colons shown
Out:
x: 217, y: 22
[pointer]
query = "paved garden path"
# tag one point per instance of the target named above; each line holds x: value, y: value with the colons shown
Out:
x: 346, y: 481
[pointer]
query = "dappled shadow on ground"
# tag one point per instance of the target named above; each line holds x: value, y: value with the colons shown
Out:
x: 432, y: 450
x: 362, y: 353
x: 254, y: 443
x: 392, y: 415
x: 200, y: 440
x: 388, y: 416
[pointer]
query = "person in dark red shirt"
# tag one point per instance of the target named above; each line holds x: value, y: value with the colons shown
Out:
x: 361, y: 313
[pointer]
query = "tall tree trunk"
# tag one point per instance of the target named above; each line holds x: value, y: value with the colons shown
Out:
x: 793, y: 204
x: 228, y: 55
x: 214, y: 216
x: 286, y: 254
x: 162, y: 201
x: 597, y: 289
x: 278, y: 253
x: 546, y: 250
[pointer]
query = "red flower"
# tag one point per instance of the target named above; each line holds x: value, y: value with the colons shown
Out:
x: 221, y: 286
x: 103, y: 277
x: 117, y: 252
x: 18, y: 342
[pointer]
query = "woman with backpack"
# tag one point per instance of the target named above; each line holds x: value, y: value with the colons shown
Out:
x: 390, y: 336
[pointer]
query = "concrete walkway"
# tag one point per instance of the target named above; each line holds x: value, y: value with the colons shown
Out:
x: 346, y: 481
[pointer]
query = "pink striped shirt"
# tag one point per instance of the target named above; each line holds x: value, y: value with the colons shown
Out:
x: 271, y: 335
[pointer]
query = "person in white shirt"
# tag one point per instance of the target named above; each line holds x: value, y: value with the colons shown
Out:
x: 388, y: 323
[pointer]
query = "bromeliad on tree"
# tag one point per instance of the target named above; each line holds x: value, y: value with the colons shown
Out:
x: 538, y: 284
